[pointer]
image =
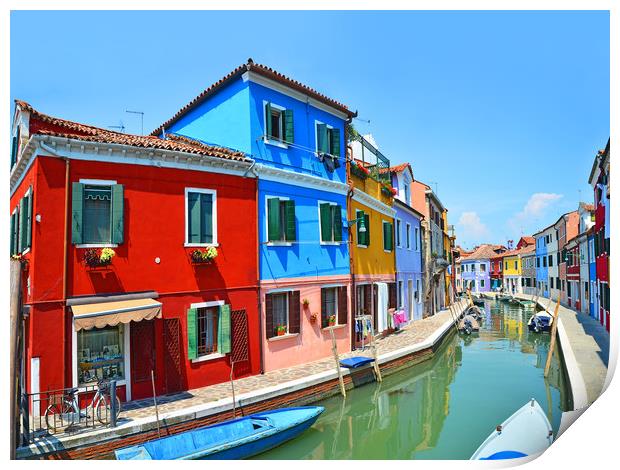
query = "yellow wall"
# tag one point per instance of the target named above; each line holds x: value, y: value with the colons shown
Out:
x: 374, y: 259
x: 448, y: 254
x: 510, y: 270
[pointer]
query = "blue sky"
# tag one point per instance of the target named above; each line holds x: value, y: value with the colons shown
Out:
x: 504, y: 111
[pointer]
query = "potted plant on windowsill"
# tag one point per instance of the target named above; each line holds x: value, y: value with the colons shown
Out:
x: 331, y: 320
x: 95, y: 257
x: 313, y: 317
x: 280, y: 330
x: 305, y: 303
x: 205, y: 256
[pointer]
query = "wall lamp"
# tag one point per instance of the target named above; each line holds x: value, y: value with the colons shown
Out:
x: 362, y: 228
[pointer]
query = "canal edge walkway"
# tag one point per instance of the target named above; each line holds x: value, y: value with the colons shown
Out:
x: 392, y: 353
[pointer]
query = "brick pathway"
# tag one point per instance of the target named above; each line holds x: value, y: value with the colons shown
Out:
x: 416, y: 332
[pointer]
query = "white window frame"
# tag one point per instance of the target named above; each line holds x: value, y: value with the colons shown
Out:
x: 337, y: 300
x: 383, y: 222
x: 417, y: 238
x: 400, y: 294
x: 288, y: 293
x: 357, y: 216
x: 267, y: 140
x: 266, y: 219
x: 213, y: 193
x: 316, y: 136
x: 408, y: 235
x: 318, y: 208
x: 398, y: 232
x: 127, y: 360
x: 215, y: 355
x: 95, y: 182
x: 417, y: 289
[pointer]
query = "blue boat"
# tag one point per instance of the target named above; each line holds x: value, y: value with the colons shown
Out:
x: 235, y: 439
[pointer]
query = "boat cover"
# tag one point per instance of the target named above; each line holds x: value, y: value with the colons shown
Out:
x: 353, y: 362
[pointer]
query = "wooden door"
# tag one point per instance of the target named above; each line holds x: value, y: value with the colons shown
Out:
x: 172, y: 355
x: 142, y: 346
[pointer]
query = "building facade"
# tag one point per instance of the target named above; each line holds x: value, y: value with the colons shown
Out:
x: 475, y: 271
x: 497, y: 272
x: 114, y: 289
x: 296, y: 138
x: 567, y: 227
x: 544, y: 257
x: 574, y: 298
x: 528, y: 270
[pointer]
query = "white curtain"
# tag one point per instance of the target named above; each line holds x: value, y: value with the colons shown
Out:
x: 382, y: 305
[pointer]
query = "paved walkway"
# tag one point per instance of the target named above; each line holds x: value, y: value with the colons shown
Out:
x: 590, y: 344
x: 416, y: 332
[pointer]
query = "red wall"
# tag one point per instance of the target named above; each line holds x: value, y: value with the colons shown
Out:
x: 154, y: 224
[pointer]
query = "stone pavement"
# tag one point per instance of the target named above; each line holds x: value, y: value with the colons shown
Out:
x: 590, y: 344
x: 416, y: 332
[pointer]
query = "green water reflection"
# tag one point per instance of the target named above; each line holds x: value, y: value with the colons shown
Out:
x: 445, y: 407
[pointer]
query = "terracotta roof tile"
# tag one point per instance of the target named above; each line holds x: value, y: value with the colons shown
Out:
x: 49, y: 125
x: 395, y: 169
x: 265, y: 72
x: 484, y: 251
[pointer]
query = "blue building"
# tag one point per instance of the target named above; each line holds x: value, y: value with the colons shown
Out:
x: 408, y: 238
x: 542, y: 270
x: 296, y: 136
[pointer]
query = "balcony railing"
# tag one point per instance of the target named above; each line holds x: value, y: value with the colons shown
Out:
x: 377, y: 163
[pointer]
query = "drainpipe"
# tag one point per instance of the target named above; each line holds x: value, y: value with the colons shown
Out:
x: 261, y: 349
x: 350, y: 236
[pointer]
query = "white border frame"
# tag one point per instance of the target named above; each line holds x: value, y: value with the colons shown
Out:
x: 213, y: 193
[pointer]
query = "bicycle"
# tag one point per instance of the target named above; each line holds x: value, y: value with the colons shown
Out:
x: 62, y: 415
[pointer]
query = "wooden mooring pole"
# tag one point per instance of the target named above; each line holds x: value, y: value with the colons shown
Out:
x: 337, y: 359
x: 155, y: 401
x: 554, y: 329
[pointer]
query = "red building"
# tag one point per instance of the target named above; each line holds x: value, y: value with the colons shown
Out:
x: 497, y: 271
x: 573, y: 277
x: 599, y: 180
x: 78, y: 192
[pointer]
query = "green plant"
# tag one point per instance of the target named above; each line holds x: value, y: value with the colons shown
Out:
x: 204, y: 256
x: 280, y: 330
x: 98, y: 257
x: 305, y: 303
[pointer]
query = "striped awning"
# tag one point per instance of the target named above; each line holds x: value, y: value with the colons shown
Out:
x: 98, y: 315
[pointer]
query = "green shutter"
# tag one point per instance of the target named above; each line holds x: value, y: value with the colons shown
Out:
x: 335, y: 135
x: 268, y: 120
x: 289, y: 210
x: 77, y: 201
x: 326, y: 222
x: 367, y: 233
x: 29, y: 220
x: 13, y: 248
x: 192, y: 334
x: 117, y: 214
x: 193, y: 217
x: 223, y: 330
x: 22, y: 223
x: 14, y: 152
x: 289, y: 129
x: 206, y: 210
x: 386, y: 236
x: 391, y: 236
x: 361, y: 237
x: 337, y: 223
x: 321, y: 137
x: 273, y: 219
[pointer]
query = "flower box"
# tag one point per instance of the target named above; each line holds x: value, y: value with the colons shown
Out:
x: 280, y: 330
x: 96, y: 258
x: 359, y: 171
x: 206, y: 256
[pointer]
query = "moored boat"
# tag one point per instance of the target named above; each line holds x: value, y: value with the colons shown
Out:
x: 235, y: 439
x: 526, y: 433
x: 468, y: 325
x: 540, y: 321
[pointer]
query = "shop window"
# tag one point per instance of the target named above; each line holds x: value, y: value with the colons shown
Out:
x: 101, y: 354
x: 200, y: 217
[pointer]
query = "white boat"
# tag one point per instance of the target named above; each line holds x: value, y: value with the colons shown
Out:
x: 526, y: 433
x: 540, y: 321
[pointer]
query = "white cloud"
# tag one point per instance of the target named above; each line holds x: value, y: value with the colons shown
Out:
x: 537, y: 205
x: 472, y: 226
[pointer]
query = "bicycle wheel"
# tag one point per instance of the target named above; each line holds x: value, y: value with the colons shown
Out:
x: 59, y: 416
x: 103, y: 410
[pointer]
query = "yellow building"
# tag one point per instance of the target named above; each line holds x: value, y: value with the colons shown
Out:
x: 372, y: 247
x: 512, y: 272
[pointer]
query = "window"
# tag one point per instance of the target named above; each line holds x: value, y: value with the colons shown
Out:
x: 282, y: 313
x: 516, y: 264
x: 483, y: 267
x: 208, y: 329
x: 329, y: 305
x: 417, y: 239
x: 327, y: 139
x: 506, y: 265
x: 591, y: 250
x: 14, y: 232
x: 15, y: 147
x: 388, y: 236
x: 406, y: 189
x: 400, y: 295
x: 557, y: 283
x: 21, y: 224
x: 408, y: 236
x: 200, y: 217
x: 281, y: 220
x: 278, y: 123
x: 538, y: 261
x: 398, y: 232
x: 481, y: 282
x: 550, y: 261
x: 551, y: 282
x: 363, y: 238
x: 544, y: 261
x: 559, y: 256
x: 331, y: 222
x: 100, y: 354
x: 417, y: 295
x: 97, y: 213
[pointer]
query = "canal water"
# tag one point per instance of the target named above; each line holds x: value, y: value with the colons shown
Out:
x: 445, y: 407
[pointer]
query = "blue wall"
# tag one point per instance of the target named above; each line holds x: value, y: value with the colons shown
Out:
x: 541, y: 272
x: 477, y: 275
x: 307, y: 257
x: 409, y: 261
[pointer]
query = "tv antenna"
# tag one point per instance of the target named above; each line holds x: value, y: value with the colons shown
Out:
x: 141, y: 113
x: 120, y: 127
x: 367, y: 121
x: 436, y: 185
